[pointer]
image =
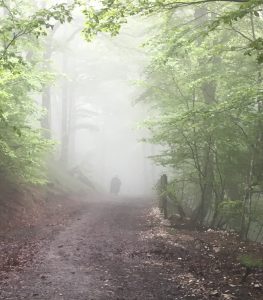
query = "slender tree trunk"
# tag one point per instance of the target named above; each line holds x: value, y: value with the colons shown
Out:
x: 65, y: 115
x: 46, y: 93
x: 46, y: 103
x: 246, y: 207
x: 72, y: 126
x: 207, y: 178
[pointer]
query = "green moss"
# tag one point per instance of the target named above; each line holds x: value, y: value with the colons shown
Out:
x: 249, y: 261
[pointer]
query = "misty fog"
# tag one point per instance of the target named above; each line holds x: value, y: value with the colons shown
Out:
x: 97, y: 82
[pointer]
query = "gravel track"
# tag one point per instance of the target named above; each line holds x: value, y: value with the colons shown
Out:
x: 100, y: 254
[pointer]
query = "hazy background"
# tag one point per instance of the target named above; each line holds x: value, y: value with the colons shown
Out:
x: 93, y: 112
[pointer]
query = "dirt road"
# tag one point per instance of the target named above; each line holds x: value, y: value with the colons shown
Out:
x: 102, y: 254
x: 120, y: 248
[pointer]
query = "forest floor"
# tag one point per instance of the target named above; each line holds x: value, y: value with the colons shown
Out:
x: 120, y: 248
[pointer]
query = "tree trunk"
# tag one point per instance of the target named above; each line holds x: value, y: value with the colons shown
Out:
x: 72, y: 127
x: 65, y: 115
x: 46, y: 120
x: 207, y: 178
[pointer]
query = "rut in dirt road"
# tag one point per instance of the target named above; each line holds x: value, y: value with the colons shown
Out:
x: 102, y: 255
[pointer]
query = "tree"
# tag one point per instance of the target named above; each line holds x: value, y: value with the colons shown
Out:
x: 208, y: 120
x: 22, y: 145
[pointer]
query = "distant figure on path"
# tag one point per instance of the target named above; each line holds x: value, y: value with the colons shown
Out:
x: 115, y: 185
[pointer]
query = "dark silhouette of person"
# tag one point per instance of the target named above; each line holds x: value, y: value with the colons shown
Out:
x: 115, y: 185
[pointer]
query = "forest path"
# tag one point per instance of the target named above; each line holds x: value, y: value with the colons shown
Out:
x: 106, y: 252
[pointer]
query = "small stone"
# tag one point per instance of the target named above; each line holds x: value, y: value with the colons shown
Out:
x: 226, y: 297
x: 216, y: 249
x: 214, y: 293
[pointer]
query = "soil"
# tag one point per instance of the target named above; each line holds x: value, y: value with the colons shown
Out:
x: 121, y: 248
